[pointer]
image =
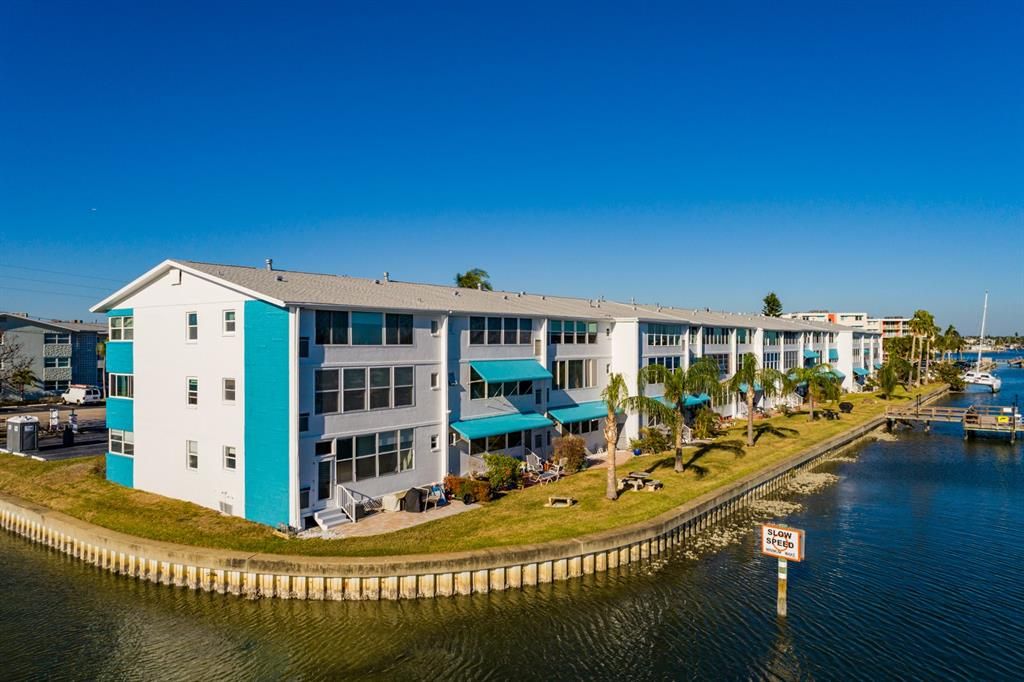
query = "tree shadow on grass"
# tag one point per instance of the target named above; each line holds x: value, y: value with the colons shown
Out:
x: 733, y: 446
x: 767, y: 428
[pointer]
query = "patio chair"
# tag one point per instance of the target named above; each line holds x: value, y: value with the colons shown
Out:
x: 435, y: 494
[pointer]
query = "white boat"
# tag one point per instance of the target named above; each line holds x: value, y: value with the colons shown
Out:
x: 984, y: 379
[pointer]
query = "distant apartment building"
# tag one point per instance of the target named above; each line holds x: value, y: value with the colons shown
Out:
x: 888, y: 327
x: 280, y: 396
x: 59, y: 353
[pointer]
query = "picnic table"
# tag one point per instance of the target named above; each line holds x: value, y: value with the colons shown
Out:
x: 639, y: 480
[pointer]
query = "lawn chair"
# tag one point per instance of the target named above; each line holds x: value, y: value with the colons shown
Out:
x: 435, y: 494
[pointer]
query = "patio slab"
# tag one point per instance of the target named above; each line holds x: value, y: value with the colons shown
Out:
x: 389, y: 522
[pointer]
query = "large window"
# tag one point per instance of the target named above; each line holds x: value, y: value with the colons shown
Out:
x: 121, y: 442
x: 772, y: 338
x: 569, y: 374
x: 120, y: 386
x: 363, y: 388
x: 55, y: 386
x: 580, y: 428
x: 373, y: 455
x: 50, y: 363
x: 664, y: 334
x: 331, y: 327
x: 572, y: 331
x: 495, y: 331
x: 499, y: 443
x: 743, y: 336
x: 771, y: 361
x: 367, y: 329
x: 57, y: 337
x: 398, y: 329
x: 480, y: 389
x: 121, y: 328
x: 723, y: 361
x: 716, y: 336
x: 694, y: 335
x: 668, y: 362
x: 789, y: 359
x: 791, y: 338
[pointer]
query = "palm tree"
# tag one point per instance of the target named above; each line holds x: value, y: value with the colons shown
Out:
x: 680, y: 384
x: 888, y: 379
x: 616, y: 397
x: 22, y: 377
x: 747, y: 378
x: 821, y: 384
x: 474, y: 279
x: 953, y: 341
x: 920, y: 326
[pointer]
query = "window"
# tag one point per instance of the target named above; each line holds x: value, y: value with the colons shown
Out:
x: 479, y: 389
x: 331, y: 327
x: 191, y: 391
x: 229, y: 322
x: 120, y: 385
x: 56, y: 362
x: 121, y: 328
x: 230, y: 457
x: 57, y: 337
x: 771, y: 361
x: 435, y: 380
x: 723, y: 362
x: 398, y: 330
x: 789, y: 359
x: 374, y: 454
x: 403, y: 386
x: 435, y: 328
x: 694, y: 335
x: 326, y: 391
x: 367, y: 329
x: 569, y: 374
x: 191, y: 326
x: 790, y: 338
x: 668, y: 362
x: 772, y: 338
x: 664, y: 334
x: 580, y: 428
x: 229, y: 390
x: 434, y: 442
x: 303, y: 346
x: 504, y: 441
x: 742, y: 336
x: 572, y: 331
x: 304, y: 498
x: 716, y: 336
x: 192, y: 454
x: 122, y: 442
x: 56, y: 386
x: 303, y: 422
x: 354, y: 398
x: 500, y: 330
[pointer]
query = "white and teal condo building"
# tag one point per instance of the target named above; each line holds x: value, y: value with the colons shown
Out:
x: 276, y: 395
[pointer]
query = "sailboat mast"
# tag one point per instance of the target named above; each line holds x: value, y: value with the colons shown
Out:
x: 981, y: 341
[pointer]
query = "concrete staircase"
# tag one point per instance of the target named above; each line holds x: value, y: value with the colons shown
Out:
x: 331, y: 517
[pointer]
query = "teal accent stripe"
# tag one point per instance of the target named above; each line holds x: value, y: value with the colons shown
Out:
x: 121, y: 414
x: 121, y: 470
x: 266, y: 413
x: 120, y: 357
x: 120, y: 312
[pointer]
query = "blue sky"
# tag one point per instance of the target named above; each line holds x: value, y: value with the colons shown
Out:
x: 860, y: 156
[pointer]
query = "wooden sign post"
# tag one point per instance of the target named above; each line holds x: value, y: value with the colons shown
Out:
x: 786, y: 544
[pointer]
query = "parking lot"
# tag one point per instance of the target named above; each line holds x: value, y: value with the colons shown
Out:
x: 91, y: 438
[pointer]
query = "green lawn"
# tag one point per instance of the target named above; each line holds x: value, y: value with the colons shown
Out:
x: 77, y: 488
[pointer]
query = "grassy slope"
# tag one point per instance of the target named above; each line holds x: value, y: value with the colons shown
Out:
x: 76, y: 487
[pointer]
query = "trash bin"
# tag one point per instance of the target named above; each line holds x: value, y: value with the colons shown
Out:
x: 68, y: 436
x: 414, y: 500
x: 23, y: 434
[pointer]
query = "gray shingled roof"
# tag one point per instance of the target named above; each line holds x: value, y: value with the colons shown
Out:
x: 307, y: 288
x: 60, y: 324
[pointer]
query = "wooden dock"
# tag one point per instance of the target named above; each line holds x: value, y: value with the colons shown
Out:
x: 974, y: 419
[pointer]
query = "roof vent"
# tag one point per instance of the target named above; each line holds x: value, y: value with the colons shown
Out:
x: 479, y: 286
x: 632, y: 301
x: 387, y: 276
x: 268, y: 264
x: 455, y: 292
x: 376, y: 281
x: 522, y: 293
x: 280, y: 278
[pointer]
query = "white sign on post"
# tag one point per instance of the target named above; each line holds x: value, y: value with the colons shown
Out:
x: 782, y: 542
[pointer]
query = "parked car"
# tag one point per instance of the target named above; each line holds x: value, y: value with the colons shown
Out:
x: 80, y: 394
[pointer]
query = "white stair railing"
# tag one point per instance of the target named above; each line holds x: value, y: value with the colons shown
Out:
x: 346, y: 502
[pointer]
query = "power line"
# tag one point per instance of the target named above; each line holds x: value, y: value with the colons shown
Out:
x: 68, y: 284
x: 62, y: 272
x: 52, y: 293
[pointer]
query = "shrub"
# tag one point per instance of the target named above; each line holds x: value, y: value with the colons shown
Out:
x: 949, y: 374
x: 572, y: 450
x: 503, y: 471
x: 652, y: 440
x: 458, y: 488
x: 705, y: 424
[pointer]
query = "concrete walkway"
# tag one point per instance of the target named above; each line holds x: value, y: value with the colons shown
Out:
x: 388, y: 522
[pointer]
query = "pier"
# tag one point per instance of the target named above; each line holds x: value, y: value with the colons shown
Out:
x: 973, y: 419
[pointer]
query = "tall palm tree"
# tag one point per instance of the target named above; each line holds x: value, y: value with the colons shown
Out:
x: 680, y: 384
x: 920, y: 327
x: 953, y: 340
x: 616, y: 397
x: 474, y: 279
x: 821, y: 384
x: 749, y: 375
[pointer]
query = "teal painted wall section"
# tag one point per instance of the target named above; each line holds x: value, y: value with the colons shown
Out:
x: 121, y: 414
x: 266, y: 413
x: 120, y: 359
x: 121, y: 470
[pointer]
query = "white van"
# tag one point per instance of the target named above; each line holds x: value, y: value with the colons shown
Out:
x: 80, y: 394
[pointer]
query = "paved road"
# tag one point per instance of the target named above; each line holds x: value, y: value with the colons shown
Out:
x: 91, y: 438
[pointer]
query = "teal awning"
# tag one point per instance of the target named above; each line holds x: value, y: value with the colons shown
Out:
x: 691, y: 400
x: 579, y: 413
x: 837, y: 374
x: 833, y: 355
x: 506, y: 423
x: 497, y: 371
x: 878, y: 365
x: 757, y: 388
x: 860, y: 371
x: 811, y: 355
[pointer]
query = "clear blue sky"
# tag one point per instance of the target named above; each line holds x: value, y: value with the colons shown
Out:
x: 862, y: 156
